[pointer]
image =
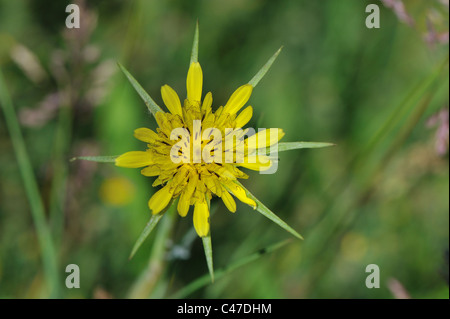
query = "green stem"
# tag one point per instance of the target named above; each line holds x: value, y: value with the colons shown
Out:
x: 49, y: 259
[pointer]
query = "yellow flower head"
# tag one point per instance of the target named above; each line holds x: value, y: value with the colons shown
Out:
x: 204, y: 162
x: 197, y: 153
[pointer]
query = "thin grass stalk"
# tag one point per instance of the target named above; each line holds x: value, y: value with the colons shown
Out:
x: 338, y: 225
x: 45, y: 240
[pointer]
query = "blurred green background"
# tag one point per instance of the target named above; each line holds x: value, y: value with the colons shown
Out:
x: 380, y: 196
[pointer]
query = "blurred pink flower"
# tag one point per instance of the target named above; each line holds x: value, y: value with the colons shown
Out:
x: 434, y: 16
x: 44, y: 112
x: 440, y: 119
x: 399, y: 9
x: 397, y: 289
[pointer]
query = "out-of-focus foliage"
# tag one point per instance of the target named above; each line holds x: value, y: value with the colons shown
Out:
x: 379, y: 197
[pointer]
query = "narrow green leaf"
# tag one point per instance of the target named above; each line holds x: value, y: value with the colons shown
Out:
x: 194, y: 53
x: 205, y: 279
x: 208, y: 254
x: 99, y: 159
x: 260, y: 207
x: 258, y: 76
x: 151, y: 105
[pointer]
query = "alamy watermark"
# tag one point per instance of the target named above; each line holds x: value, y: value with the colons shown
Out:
x: 234, y: 146
x: 373, y: 19
x: 73, y: 279
x: 73, y: 19
x: 373, y: 280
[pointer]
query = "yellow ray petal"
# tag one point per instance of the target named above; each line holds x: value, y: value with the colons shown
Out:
x: 238, y: 99
x: 146, y: 135
x: 228, y: 201
x: 183, y: 203
x: 194, y: 82
x: 240, y: 193
x: 163, y: 122
x: 201, y: 218
x: 218, y: 112
x: 134, y: 159
x: 171, y: 100
x: 244, y: 117
x: 186, y: 195
x: 207, y: 102
x: 256, y: 163
x: 181, y: 176
x: 153, y: 170
x: 210, y: 183
x: 264, y: 138
x: 160, y: 200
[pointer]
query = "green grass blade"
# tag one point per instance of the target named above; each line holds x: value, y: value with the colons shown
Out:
x: 258, y: 76
x: 205, y: 279
x: 261, y: 208
x: 319, y: 245
x: 208, y: 254
x: 151, y: 105
x: 99, y: 159
x: 400, y: 112
x: 45, y: 240
x: 194, y: 53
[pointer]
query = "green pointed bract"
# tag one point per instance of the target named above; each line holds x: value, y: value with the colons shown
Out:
x: 99, y: 159
x: 261, y: 208
x: 258, y: 76
x: 208, y: 254
x: 149, y: 227
x: 208, y: 247
x: 194, y: 53
x: 287, y: 146
x: 147, y: 230
x: 151, y: 105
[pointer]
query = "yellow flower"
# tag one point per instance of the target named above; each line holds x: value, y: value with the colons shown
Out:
x: 197, y: 153
x: 204, y: 162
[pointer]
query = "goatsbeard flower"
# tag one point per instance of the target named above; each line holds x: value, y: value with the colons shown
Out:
x: 192, y: 178
x: 197, y: 153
